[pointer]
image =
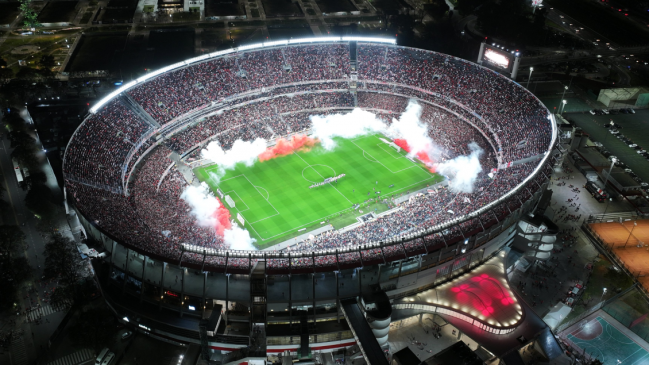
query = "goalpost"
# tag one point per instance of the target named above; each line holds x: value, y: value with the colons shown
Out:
x: 391, y: 144
x: 229, y: 201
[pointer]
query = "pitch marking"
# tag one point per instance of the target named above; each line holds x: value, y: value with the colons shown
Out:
x: 241, y: 200
x: 367, y: 158
x: 343, y: 195
x: 267, y: 195
x: 253, y: 185
x: 311, y: 166
x: 387, y: 168
x: 390, y: 151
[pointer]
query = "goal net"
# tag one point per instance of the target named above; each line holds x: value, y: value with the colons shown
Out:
x: 229, y: 201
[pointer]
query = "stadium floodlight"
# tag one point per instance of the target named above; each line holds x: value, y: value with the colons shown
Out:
x: 314, y: 39
x: 196, y: 59
x: 250, y: 46
x: 371, y: 39
x: 275, y: 43
x: 221, y: 53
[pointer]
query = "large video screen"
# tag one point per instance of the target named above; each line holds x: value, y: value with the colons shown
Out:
x: 496, y: 58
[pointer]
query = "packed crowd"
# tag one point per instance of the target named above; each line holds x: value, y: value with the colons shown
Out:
x: 513, y: 114
x: 178, y: 92
x: 261, y: 119
x: 101, y: 144
x: 507, y: 123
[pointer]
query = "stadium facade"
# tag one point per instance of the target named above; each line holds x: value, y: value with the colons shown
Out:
x: 246, y: 305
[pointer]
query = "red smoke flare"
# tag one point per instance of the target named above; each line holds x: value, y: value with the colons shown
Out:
x: 222, y: 216
x: 285, y: 147
x: 421, y: 155
x: 403, y: 144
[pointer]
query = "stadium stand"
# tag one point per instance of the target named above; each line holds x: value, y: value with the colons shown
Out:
x: 270, y: 93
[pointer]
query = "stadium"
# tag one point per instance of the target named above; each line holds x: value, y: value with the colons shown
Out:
x: 265, y: 185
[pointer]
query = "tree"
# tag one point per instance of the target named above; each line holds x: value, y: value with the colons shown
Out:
x: 25, y: 155
x: 6, y: 73
x: 61, y: 260
x: 12, y: 239
x: 19, y: 137
x: 46, y: 63
x: 34, y: 178
x: 28, y: 73
x: 38, y: 200
x: 30, y: 17
x: 13, y: 271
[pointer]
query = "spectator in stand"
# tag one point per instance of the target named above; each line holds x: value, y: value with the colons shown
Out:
x: 271, y: 93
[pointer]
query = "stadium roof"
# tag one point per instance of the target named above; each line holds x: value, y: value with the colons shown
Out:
x: 157, y: 72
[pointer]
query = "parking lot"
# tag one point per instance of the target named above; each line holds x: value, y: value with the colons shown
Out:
x: 633, y: 127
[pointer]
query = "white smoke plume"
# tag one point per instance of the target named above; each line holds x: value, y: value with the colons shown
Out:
x: 205, y: 207
x: 202, y: 203
x: 463, y: 171
x: 238, y: 238
x: 357, y: 123
x: 241, y: 152
x: 410, y: 127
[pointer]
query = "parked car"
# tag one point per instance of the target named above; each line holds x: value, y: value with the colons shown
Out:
x: 126, y: 335
x: 605, y: 111
x: 592, y: 112
x: 631, y: 111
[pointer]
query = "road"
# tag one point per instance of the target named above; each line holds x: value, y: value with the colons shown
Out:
x: 34, y: 293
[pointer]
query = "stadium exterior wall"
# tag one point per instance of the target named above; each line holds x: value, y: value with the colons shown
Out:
x: 205, y: 287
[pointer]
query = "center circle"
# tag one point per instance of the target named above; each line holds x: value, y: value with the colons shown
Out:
x: 317, y: 173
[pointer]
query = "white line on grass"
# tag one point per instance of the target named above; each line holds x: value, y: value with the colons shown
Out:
x: 253, y: 185
x: 267, y: 195
x: 230, y: 178
x: 389, y: 169
x: 343, y: 195
x: 294, y: 229
x: 263, y: 219
x: 390, y: 151
x: 241, y: 200
x: 368, y: 158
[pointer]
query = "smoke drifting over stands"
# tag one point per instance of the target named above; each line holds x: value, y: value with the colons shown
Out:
x: 467, y: 110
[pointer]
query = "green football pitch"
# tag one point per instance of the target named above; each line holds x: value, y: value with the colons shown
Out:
x: 276, y: 202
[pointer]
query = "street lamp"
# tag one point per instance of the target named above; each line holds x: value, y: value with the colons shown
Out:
x: 613, y: 161
x: 635, y: 224
x: 563, y: 105
x: 565, y: 88
x: 529, y: 78
x: 603, y: 292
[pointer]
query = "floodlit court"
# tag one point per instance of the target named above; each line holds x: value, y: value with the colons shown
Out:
x: 601, y: 337
x: 275, y: 197
x: 629, y: 241
x: 623, y: 234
